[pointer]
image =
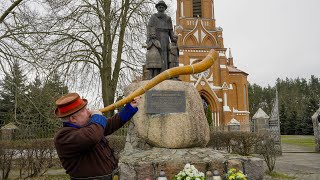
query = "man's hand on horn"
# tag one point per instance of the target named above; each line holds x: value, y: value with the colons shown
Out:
x: 135, y: 102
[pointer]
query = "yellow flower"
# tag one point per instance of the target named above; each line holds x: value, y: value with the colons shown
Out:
x: 234, y: 174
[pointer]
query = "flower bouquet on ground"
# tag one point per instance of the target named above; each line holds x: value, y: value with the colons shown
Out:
x: 234, y: 174
x: 189, y: 173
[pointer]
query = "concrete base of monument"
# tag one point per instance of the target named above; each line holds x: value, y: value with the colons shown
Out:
x: 139, y: 164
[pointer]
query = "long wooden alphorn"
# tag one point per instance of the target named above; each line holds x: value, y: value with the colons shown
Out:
x: 203, y: 65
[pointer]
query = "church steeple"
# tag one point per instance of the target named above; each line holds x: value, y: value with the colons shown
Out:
x: 196, y: 26
x: 188, y: 10
x: 196, y: 8
x: 230, y: 58
x: 230, y: 54
x: 198, y: 34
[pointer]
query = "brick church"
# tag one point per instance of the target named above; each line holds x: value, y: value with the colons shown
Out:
x: 223, y: 87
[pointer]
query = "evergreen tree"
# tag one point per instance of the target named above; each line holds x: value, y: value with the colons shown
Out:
x: 298, y: 100
x: 38, y: 108
x: 43, y: 97
x: 283, y: 119
x: 314, y: 88
x: 255, y: 98
x: 299, y: 126
x: 30, y: 106
x: 306, y: 122
x: 291, y: 123
x: 52, y: 90
x: 260, y: 97
x: 13, y: 96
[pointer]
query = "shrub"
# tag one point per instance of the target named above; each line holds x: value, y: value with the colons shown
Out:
x: 267, y: 148
x: 31, y: 157
x: 6, y: 155
x: 242, y: 143
x: 220, y: 140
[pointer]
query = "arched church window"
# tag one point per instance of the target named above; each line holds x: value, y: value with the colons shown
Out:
x: 207, y: 110
x: 196, y: 8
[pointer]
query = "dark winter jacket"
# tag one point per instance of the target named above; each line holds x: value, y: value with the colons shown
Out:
x: 84, y: 151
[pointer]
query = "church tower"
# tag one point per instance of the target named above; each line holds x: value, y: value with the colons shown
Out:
x: 223, y: 87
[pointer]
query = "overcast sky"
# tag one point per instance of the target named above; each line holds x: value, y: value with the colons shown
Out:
x: 272, y: 38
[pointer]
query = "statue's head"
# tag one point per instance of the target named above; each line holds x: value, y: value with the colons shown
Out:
x: 161, y: 6
x: 152, y: 32
x: 175, y: 38
x: 153, y: 35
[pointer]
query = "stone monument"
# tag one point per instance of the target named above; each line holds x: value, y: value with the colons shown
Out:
x: 170, y: 129
x: 316, y: 129
x: 169, y: 116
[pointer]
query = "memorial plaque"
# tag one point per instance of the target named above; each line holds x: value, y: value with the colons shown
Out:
x: 161, y: 102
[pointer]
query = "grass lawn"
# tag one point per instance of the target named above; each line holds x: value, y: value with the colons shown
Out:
x: 279, y: 175
x: 301, y: 140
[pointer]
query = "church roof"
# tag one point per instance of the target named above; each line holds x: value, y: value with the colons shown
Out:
x: 10, y: 125
x: 233, y: 69
x: 260, y: 114
x: 233, y: 122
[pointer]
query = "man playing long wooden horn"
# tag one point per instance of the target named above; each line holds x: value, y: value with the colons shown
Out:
x: 81, y: 144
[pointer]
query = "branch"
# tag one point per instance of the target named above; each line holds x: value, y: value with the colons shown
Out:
x: 5, y: 14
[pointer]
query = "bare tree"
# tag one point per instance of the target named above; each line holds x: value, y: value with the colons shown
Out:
x: 18, y: 36
x: 21, y: 34
x: 97, y: 42
x: 9, y: 9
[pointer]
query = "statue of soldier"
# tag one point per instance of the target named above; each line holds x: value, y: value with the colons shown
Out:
x: 164, y: 31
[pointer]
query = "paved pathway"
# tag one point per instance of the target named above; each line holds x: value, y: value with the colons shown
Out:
x: 296, y: 162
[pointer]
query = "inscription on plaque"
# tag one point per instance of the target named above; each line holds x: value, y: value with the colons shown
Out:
x: 161, y: 102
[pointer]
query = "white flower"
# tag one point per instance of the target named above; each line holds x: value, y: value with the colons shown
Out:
x: 187, y: 166
x: 189, y: 173
x: 195, y: 171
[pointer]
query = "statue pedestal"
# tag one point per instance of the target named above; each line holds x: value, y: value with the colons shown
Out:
x: 139, y: 164
x: 167, y: 141
x: 169, y: 129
